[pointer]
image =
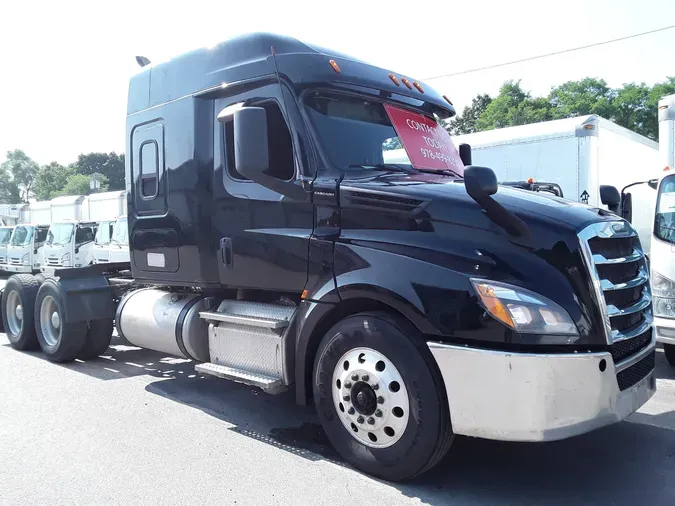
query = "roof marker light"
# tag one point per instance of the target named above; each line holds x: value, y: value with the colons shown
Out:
x: 418, y: 86
x: 335, y: 66
x: 394, y: 79
x: 407, y: 83
x: 530, y: 180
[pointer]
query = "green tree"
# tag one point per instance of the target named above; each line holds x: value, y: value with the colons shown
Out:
x: 50, y: 179
x: 20, y: 171
x: 78, y: 184
x: 579, y: 98
x: 111, y: 165
x: 513, y: 106
x: 466, y: 122
x: 630, y: 110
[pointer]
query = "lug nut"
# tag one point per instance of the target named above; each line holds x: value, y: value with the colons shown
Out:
x: 355, y: 377
x: 365, y: 377
x: 376, y: 386
x: 346, y: 398
x: 351, y: 411
x: 348, y: 384
x: 371, y: 421
x: 380, y: 400
x: 359, y: 419
x: 378, y: 413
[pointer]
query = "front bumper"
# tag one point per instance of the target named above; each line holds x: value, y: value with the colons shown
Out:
x: 527, y: 397
x: 18, y: 268
x: 665, y: 330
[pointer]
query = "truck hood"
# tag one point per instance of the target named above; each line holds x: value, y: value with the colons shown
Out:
x: 442, y: 198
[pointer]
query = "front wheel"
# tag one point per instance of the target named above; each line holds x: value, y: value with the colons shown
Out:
x: 669, y: 350
x: 380, y: 397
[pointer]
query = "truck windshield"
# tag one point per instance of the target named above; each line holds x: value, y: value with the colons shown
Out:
x: 103, y: 233
x: 22, y: 236
x: 664, y: 224
x: 60, y: 234
x: 355, y: 133
x: 121, y: 232
x: 5, y: 234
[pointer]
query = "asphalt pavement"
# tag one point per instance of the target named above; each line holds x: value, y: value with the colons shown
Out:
x: 135, y: 427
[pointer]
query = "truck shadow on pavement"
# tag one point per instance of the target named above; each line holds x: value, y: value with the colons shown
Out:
x: 627, y: 463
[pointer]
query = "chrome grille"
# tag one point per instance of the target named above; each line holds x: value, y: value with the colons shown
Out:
x: 618, y: 268
x: 15, y: 261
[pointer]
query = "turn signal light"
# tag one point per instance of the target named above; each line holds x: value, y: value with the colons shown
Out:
x: 494, y: 306
x: 335, y: 66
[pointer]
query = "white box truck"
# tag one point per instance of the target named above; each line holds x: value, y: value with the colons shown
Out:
x: 105, y: 208
x: 663, y: 239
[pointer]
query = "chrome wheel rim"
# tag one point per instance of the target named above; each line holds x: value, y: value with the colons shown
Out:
x: 14, y: 313
x: 50, y: 321
x: 370, y: 397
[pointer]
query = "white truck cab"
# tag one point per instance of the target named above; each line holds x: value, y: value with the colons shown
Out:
x: 663, y: 235
x: 25, y: 249
x: 69, y: 244
x: 5, y: 235
x: 104, y: 233
x: 119, y: 241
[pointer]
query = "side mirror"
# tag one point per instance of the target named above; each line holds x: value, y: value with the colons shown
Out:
x: 465, y: 154
x: 627, y: 207
x: 653, y: 183
x: 77, y: 250
x: 251, y: 157
x: 35, y: 251
x: 610, y: 197
x: 480, y: 182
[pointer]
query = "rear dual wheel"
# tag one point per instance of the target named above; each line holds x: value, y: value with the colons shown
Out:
x: 380, y: 397
x: 63, y: 341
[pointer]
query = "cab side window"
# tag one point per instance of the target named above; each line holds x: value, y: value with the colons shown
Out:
x: 83, y: 236
x: 40, y: 236
x: 280, y: 145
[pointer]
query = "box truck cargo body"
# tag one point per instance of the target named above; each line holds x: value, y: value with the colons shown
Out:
x: 39, y: 213
x: 67, y: 207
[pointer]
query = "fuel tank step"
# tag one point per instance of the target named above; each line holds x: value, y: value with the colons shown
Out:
x: 248, y: 343
x: 266, y: 383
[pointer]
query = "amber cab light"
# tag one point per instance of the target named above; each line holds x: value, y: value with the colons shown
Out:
x: 394, y: 79
x: 407, y: 83
x: 447, y: 100
x: 418, y: 86
x: 335, y: 66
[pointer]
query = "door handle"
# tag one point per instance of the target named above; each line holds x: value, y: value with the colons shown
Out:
x: 226, y: 251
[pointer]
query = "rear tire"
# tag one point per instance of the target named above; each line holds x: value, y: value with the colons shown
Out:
x: 669, y: 350
x: 18, y: 303
x: 60, y: 341
x: 40, y: 278
x: 99, y: 335
x: 380, y: 397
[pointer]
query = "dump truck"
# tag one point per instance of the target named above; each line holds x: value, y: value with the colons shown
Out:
x: 408, y: 302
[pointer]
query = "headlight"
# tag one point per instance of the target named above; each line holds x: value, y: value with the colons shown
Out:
x: 25, y: 259
x: 663, y: 291
x: 65, y: 260
x: 522, y: 310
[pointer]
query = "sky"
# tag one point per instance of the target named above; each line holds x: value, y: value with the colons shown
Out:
x: 64, y: 66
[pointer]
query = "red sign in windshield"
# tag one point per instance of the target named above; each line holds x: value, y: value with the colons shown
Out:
x: 427, y: 144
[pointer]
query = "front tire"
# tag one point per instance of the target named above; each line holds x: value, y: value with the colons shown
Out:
x: 669, y: 351
x: 60, y: 341
x: 18, y: 302
x: 380, y: 398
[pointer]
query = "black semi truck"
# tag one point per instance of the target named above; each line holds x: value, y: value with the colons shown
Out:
x: 273, y: 244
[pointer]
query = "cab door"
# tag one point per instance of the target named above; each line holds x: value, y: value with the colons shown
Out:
x: 262, y: 236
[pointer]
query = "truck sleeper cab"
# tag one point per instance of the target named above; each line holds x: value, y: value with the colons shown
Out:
x: 69, y: 244
x: 408, y: 302
x: 24, y: 251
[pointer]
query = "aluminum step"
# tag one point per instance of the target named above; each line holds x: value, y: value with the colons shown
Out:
x: 253, y: 314
x: 266, y: 383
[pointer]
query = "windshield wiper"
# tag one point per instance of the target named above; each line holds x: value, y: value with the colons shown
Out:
x: 381, y: 166
x: 445, y: 172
